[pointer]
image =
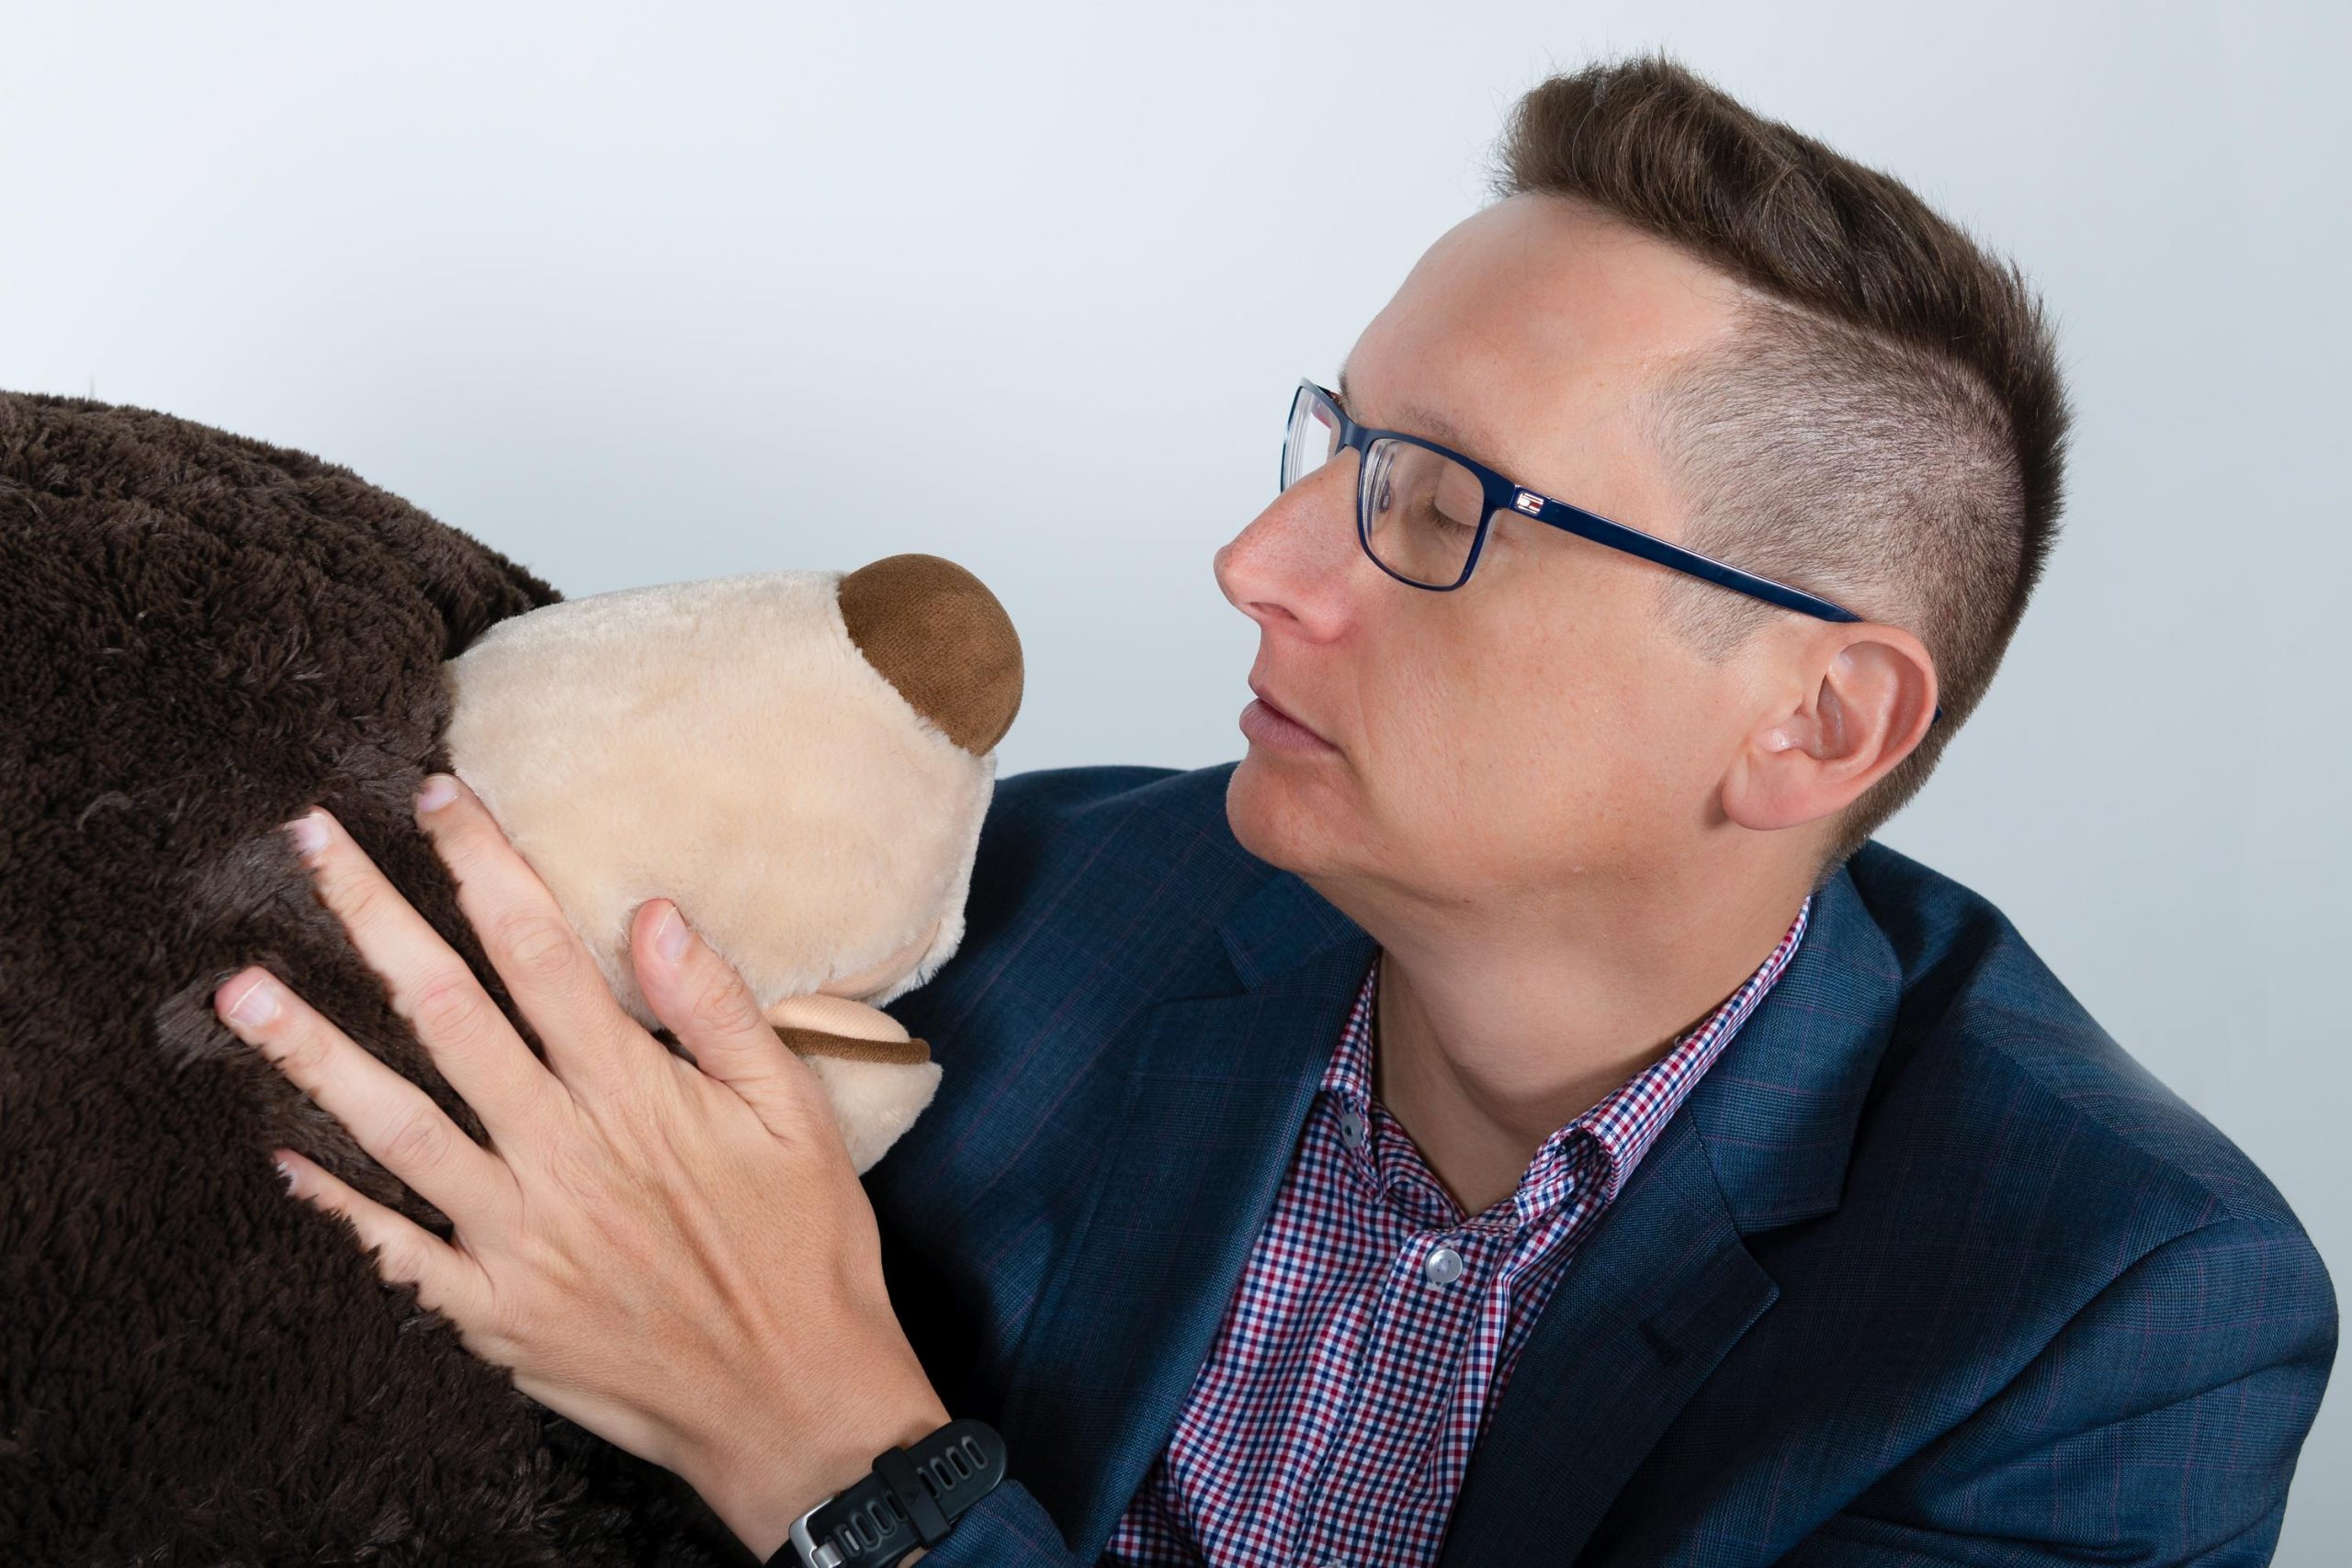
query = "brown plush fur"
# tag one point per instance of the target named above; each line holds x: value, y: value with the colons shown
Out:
x: 203, y: 636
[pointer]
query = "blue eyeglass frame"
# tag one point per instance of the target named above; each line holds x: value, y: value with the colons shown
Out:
x: 1508, y: 495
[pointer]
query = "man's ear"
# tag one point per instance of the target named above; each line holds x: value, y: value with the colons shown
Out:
x: 1867, y: 695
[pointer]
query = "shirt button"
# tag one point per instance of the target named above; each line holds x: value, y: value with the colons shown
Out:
x: 1443, y: 1266
x: 1351, y: 1128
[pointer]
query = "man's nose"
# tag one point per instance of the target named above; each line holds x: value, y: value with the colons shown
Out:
x: 1292, y: 563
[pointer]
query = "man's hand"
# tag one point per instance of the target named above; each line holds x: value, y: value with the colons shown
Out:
x: 678, y: 1258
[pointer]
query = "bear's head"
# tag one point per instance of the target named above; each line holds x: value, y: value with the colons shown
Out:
x: 800, y: 760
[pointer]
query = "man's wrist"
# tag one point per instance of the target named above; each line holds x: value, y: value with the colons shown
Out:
x: 768, y: 1479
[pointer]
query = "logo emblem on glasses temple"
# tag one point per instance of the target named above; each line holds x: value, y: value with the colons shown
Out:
x: 1526, y: 501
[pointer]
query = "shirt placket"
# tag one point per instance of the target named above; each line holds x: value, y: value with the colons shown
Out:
x: 1375, y: 1503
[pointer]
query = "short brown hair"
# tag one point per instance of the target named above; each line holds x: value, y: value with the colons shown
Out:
x: 1887, y: 428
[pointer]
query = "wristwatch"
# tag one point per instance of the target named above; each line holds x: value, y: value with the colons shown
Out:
x: 912, y: 1498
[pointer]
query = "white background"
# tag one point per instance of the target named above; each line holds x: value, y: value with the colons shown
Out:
x: 638, y: 298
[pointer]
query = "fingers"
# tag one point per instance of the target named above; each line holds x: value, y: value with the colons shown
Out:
x: 470, y: 1039
x: 393, y: 1119
x: 553, y: 977
x: 713, y: 1013
x: 406, y: 1253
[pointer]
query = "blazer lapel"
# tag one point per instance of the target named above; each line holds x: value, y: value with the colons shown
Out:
x: 1218, y: 1092
x: 1662, y: 1287
x: 1653, y: 1298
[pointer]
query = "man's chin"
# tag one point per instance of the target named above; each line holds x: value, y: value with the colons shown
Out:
x: 1277, y: 816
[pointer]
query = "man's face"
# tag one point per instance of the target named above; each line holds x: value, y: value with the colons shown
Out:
x: 1536, y: 726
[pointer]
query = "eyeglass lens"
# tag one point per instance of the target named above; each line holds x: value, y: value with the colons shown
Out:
x: 1418, y: 512
x: 1312, y: 437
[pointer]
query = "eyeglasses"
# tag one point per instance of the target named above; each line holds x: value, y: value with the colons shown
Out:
x: 1423, y: 510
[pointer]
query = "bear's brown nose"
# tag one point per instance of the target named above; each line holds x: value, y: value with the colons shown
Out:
x: 937, y: 634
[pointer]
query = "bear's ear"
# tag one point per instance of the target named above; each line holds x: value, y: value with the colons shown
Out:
x: 935, y: 632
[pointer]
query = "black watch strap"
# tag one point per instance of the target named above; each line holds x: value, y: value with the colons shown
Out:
x: 912, y: 1499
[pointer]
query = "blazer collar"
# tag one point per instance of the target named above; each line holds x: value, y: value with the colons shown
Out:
x: 1282, y: 925
x: 1218, y: 1091
x: 1778, y: 1112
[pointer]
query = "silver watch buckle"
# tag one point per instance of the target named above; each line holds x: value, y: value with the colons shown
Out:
x: 813, y: 1553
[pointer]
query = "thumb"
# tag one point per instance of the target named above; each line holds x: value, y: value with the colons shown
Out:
x: 701, y: 998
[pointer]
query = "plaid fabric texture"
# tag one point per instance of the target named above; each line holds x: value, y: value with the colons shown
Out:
x: 1356, y: 1365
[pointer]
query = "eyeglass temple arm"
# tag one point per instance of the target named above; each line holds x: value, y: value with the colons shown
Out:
x: 1633, y: 541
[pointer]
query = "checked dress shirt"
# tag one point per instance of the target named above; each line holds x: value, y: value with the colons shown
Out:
x: 1375, y: 1325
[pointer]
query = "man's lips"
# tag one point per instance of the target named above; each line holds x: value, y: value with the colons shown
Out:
x: 1259, y: 692
x: 1278, y: 711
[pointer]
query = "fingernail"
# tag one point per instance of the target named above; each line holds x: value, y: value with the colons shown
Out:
x: 438, y: 790
x: 284, y: 1172
x: 670, y: 936
x: 258, y: 1006
x: 308, y: 832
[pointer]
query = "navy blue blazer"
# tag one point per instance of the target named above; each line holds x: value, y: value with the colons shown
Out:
x: 1926, y: 1270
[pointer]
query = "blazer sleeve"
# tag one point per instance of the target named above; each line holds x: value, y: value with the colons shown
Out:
x: 2161, y: 1426
x: 1007, y: 1529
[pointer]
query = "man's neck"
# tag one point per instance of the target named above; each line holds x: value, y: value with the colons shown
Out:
x: 1495, y: 1028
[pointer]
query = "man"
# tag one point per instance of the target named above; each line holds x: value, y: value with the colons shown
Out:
x: 1515, y: 1114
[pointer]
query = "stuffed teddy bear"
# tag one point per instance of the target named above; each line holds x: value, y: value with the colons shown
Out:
x: 204, y: 635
